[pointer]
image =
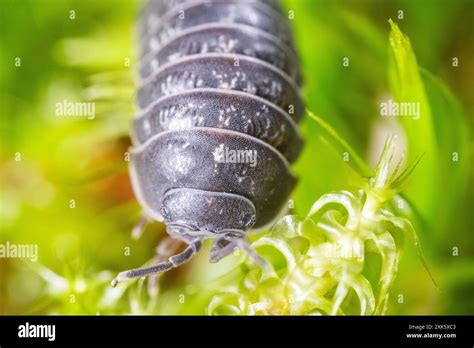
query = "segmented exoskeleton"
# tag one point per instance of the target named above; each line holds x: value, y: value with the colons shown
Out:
x: 216, y: 128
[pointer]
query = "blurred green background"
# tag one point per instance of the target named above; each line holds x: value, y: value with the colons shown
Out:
x: 70, y: 192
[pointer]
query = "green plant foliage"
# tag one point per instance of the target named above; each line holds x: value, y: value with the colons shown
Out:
x: 342, y: 207
x: 318, y: 264
x: 431, y: 135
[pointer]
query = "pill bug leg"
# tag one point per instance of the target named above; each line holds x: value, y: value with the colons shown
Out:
x: 139, y: 227
x: 244, y: 244
x: 167, y: 247
x: 220, y: 249
x: 224, y: 246
x: 194, y: 245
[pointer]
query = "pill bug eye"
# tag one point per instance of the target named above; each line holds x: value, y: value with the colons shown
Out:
x: 216, y: 127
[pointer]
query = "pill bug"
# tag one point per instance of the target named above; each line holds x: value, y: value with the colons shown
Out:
x: 216, y: 129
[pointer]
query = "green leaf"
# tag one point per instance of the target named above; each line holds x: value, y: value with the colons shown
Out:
x: 438, y: 133
x: 331, y: 137
x: 407, y: 87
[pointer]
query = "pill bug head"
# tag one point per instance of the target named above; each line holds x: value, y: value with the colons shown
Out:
x: 214, y: 212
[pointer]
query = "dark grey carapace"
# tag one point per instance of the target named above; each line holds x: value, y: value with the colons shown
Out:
x: 216, y: 131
